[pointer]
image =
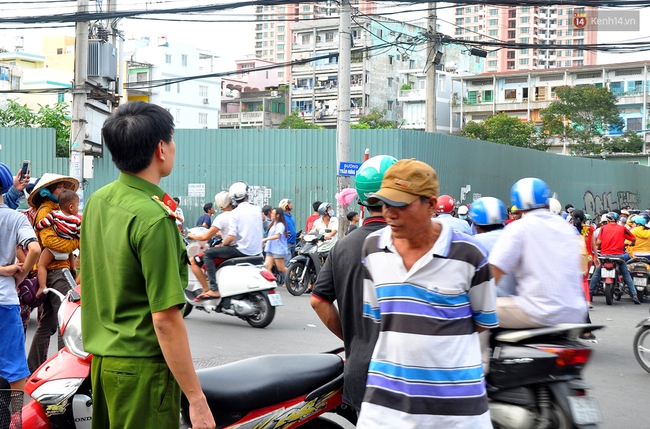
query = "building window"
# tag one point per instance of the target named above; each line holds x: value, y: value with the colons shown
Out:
x: 184, y: 60
x: 493, y: 32
x: 512, y: 13
x: 468, y: 20
x: 512, y: 24
x: 511, y: 65
x: 203, y: 91
x: 305, y: 8
x: 525, y: 9
x: 390, y: 105
x: 492, y: 63
x: 168, y: 88
x: 280, y: 56
x: 567, y: 53
x: 492, y: 54
x: 459, y: 21
x: 177, y: 117
x: 329, y: 37
x: 280, y: 74
x: 493, y: 22
x: 524, y: 19
x: 569, y: 32
x: 523, y: 40
x: 203, y: 118
x: 280, y: 27
x: 390, y: 81
x: 579, y: 63
x: 559, y: 32
x: 168, y: 59
x: 510, y: 94
x: 380, y: 33
x: 512, y: 34
x: 580, y: 32
x: 305, y: 39
x: 510, y: 54
x: 524, y: 52
x: 494, y: 12
x: 523, y: 61
x: 567, y: 63
x: 280, y: 37
x: 178, y: 87
x: 459, y: 11
x: 634, y: 124
x: 59, y: 51
x: 280, y: 46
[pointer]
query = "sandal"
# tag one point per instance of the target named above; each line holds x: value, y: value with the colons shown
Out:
x: 206, y: 296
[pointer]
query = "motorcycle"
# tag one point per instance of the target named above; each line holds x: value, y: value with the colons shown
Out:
x: 276, y: 391
x: 642, y: 344
x: 247, y: 289
x: 305, y: 266
x: 611, y: 282
x: 640, y: 271
x: 535, y: 379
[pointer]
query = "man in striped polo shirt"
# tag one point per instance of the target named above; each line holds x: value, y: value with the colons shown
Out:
x: 431, y: 290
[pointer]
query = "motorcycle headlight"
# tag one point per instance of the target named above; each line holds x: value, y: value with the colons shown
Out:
x: 72, y: 335
x: 57, y: 391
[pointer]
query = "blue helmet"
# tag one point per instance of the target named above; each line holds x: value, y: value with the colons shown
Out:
x: 6, y: 178
x: 530, y: 193
x: 639, y: 220
x: 488, y: 211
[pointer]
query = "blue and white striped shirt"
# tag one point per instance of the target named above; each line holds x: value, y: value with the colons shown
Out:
x: 426, y: 369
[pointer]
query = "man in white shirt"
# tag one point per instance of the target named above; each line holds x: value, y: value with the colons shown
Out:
x: 543, y: 252
x: 245, y: 229
x: 328, y: 226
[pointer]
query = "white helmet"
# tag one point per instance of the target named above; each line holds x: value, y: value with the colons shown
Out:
x: 238, y: 190
x: 554, y: 206
x: 222, y: 200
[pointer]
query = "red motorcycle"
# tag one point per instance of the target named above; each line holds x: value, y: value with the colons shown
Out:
x: 275, y: 391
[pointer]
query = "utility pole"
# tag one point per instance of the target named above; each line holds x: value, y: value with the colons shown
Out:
x: 79, y: 97
x: 343, y: 117
x: 432, y: 51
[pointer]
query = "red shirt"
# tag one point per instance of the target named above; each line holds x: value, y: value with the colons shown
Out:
x: 310, y: 222
x: 612, y: 239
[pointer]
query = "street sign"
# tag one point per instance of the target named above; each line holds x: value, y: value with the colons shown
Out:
x: 348, y: 168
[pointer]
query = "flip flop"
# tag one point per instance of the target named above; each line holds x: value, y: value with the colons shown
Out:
x: 205, y: 297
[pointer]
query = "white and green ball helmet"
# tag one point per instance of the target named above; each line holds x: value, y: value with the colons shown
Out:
x: 369, y: 177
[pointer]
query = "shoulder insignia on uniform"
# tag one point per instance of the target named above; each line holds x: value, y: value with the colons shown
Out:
x: 171, y: 213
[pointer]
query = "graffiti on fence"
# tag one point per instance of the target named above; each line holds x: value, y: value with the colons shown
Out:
x: 594, y: 203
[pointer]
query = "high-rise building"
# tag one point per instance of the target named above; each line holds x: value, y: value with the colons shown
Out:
x: 273, y: 37
x: 550, y: 28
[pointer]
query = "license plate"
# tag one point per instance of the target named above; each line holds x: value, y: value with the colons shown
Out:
x: 584, y: 410
x: 640, y: 281
x: 275, y: 299
x: 608, y: 274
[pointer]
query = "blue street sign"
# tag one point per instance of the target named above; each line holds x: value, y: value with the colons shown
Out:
x: 348, y: 168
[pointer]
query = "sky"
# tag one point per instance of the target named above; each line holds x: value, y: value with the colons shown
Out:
x: 231, y: 40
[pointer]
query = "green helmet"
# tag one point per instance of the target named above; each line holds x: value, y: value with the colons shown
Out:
x: 369, y: 177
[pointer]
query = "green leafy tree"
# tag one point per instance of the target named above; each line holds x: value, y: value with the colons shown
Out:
x: 581, y: 115
x: 295, y: 122
x: 506, y: 129
x: 376, y: 119
x: 628, y: 142
x: 56, y: 117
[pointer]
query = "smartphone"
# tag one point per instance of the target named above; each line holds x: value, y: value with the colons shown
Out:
x: 24, y: 169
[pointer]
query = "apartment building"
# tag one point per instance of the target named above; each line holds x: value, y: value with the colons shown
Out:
x: 523, y: 94
x: 375, y: 77
x: 194, y: 103
x: 273, y: 33
x: 551, y: 28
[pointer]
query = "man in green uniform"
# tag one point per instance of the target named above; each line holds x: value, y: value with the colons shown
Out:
x: 135, y: 269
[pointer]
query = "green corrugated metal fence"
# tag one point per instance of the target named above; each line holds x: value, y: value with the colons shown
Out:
x: 301, y: 165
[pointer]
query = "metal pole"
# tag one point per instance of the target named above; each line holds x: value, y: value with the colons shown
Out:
x: 343, y: 111
x: 432, y: 50
x: 366, y: 157
x: 79, y: 97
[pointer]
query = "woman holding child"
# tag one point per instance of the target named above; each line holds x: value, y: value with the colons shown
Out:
x: 44, y: 198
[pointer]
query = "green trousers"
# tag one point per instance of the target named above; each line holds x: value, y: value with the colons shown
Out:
x: 134, y: 393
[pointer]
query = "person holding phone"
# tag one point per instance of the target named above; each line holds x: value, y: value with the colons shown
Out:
x: 21, y: 180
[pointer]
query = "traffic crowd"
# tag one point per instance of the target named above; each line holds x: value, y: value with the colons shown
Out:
x: 417, y: 286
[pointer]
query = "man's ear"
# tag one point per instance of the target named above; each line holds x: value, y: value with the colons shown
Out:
x: 433, y: 202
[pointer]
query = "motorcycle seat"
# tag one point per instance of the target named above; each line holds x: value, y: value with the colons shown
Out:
x: 253, y: 260
x: 255, y: 383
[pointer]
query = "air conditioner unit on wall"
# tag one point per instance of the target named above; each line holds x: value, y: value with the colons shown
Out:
x: 205, y: 101
x: 274, y: 93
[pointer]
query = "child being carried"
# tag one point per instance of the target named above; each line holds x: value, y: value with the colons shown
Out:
x: 67, y: 224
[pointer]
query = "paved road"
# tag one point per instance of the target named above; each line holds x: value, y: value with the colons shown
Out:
x: 620, y: 384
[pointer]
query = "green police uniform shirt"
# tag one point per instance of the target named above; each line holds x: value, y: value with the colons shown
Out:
x: 134, y: 264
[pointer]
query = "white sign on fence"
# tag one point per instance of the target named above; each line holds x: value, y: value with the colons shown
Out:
x: 196, y: 190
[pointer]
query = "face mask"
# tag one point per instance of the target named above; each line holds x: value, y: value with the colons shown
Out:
x: 463, y: 217
x: 45, y: 193
x: 330, y: 213
x: 623, y: 220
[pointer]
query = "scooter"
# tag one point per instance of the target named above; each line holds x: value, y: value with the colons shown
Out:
x: 640, y: 271
x: 642, y: 344
x: 247, y: 289
x: 535, y: 379
x: 277, y: 391
x: 305, y: 266
x: 611, y: 281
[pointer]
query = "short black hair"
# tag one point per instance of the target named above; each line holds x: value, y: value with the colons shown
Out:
x: 351, y: 215
x: 207, y: 207
x: 316, y: 204
x: 267, y: 209
x: 178, y: 200
x: 567, y: 207
x: 133, y: 132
